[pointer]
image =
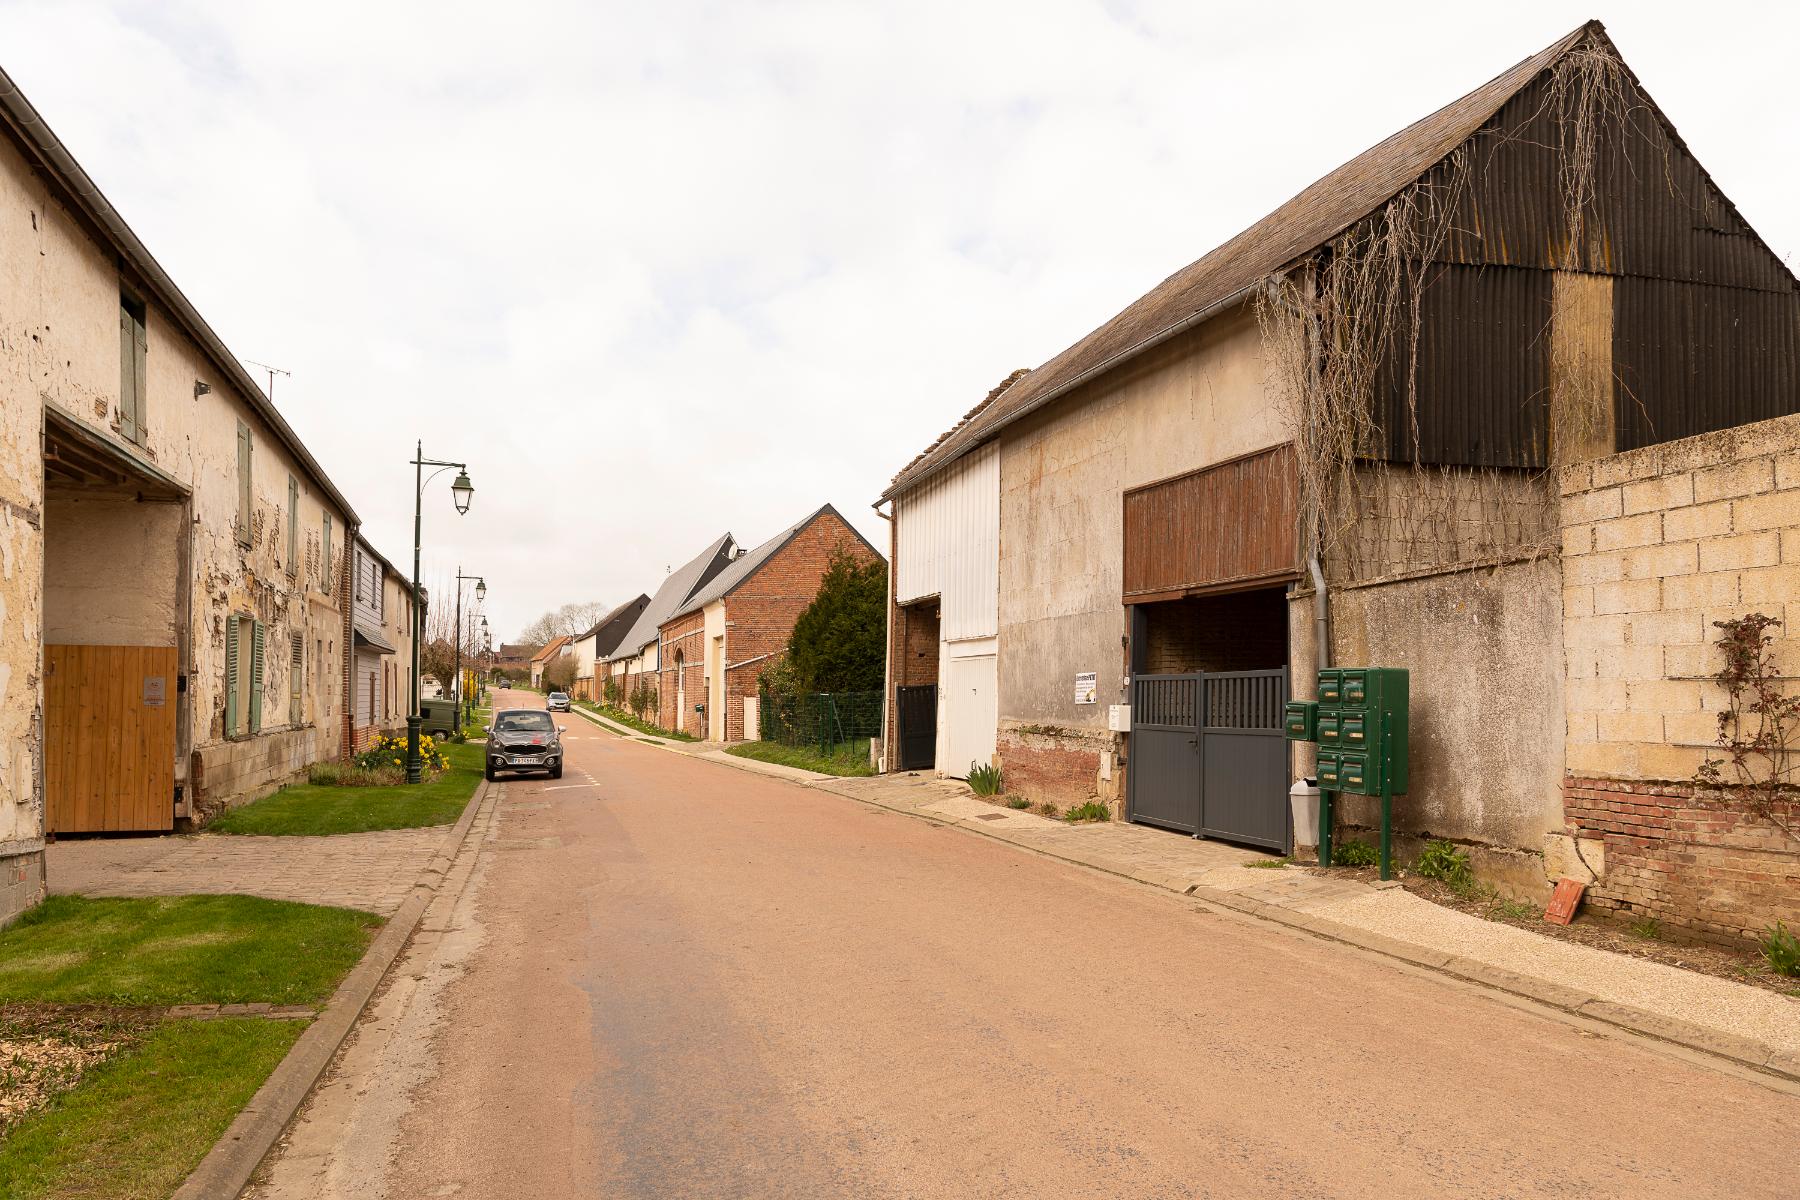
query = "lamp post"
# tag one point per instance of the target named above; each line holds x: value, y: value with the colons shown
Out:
x: 462, y: 692
x: 461, y: 491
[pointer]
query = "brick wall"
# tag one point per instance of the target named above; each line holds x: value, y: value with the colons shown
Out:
x: 1239, y: 631
x: 682, y: 680
x: 1658, y: 544
x: 760, y: 613
x: 1061, y: 766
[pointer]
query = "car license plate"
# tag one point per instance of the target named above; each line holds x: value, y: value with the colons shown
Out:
x: 526, y: 760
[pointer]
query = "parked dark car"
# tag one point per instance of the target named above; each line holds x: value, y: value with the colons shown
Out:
x: 558, y: 702
x: 524, y: 739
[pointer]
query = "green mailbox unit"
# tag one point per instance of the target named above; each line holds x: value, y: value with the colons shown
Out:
x: 1302, y: 721
x: 1360, y: 722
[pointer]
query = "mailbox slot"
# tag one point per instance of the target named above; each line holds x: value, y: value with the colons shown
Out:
x: 1301, y: 722
x: 1328, y: 772
x: 1331, y: 687
x: 1353, y: 730
x: 1356, y: 776
x: 1331, y: 727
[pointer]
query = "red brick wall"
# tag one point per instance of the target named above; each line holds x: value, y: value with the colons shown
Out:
x: 1061, y: 769
x: 684, y: 637
x: 1708, y: 872
x: 760, y: 614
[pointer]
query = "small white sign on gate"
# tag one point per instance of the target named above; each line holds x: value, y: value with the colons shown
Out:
x: 1087, y: 687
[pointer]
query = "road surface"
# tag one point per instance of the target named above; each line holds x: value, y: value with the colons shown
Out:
x: 667, y: 978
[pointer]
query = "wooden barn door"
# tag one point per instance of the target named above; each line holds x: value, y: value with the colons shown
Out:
x: 109, y: 738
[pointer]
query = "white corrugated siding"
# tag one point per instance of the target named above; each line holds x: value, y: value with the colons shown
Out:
x: 948, y: 544
x: 368, y: 688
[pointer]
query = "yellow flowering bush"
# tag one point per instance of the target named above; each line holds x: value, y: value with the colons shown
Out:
x: 390, y: 751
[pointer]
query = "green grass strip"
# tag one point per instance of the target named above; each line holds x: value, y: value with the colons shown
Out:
x: 849, y: 760
x: 180, y: 950
x: 142, y: 1121
x: 309, y: 810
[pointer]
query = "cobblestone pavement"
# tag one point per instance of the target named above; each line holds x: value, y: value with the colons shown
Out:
x: 368, y: 871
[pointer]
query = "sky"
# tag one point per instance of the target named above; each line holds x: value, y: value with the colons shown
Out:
x: 662, y: 271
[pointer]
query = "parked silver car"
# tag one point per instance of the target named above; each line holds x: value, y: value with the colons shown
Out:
x: 524, y: 739
x: 558, y: 702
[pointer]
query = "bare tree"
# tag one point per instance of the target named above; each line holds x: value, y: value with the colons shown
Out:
x: 571, y: 620
x: 559, y: 674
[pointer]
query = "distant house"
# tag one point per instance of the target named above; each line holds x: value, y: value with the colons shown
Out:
x: 540, y: 662
x: 381, y: 633
x: 716, y: 644
x: 513, y: 660
x: 634, y: 662
x: 592, y: 647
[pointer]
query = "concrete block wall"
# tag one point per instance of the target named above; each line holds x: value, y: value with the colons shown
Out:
x: 1658, y: 544
x: 227, y: 774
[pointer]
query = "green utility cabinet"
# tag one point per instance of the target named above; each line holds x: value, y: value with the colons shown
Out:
x: 1360, y: 722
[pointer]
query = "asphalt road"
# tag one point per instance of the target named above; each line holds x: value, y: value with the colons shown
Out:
x: 671, y: 979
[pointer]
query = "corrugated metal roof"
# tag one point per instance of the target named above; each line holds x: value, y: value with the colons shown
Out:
x: 1304, y: 223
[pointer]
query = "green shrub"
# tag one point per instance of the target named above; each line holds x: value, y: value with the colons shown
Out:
x: 1650, y: 929
x: 1781, y: 950
x: 1091, y: 810
x: 1443, y: 861
x: 1352, y: 853
x: 984, y: 779
x: 1047, y: 808
x: 1017, y: 802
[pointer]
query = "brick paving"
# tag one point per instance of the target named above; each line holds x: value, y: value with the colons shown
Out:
x: 368, y: 871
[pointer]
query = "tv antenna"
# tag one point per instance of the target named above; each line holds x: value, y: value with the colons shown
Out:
x: 273, y: 372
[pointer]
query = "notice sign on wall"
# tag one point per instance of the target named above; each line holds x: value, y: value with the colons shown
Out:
x: 1087, y: 687
x: 154, y: 689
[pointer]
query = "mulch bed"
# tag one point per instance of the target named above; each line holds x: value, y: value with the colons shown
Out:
x: 46, y: 1049
x: 1588, y: 929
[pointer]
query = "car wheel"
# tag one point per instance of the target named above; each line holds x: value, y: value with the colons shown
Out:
x: 556, y: 771
x: 488, y: 772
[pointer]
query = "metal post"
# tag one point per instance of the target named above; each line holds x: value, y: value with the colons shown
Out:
x: 415, y: 767
x: 457, y: 687
x: 1387, y: 796
x: 1324, y: 827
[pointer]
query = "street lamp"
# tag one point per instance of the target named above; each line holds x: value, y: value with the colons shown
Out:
x: 461, y: 491
x: 462, y: 696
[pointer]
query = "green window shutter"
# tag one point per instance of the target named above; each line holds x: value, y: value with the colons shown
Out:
x: 141, y: 375
x: 231, y: 675
x: 256, y: 676
x: 293, y: 546
x: 127, y: 376
x: 296, y: 653
x: 243, y: 513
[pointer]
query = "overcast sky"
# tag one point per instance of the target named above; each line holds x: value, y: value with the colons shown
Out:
x: 663, y: 270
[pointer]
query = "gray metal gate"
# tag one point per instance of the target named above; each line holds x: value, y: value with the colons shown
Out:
x: 1208, y: 756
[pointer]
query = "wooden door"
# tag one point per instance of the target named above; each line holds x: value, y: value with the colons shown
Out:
x: 109, y: 738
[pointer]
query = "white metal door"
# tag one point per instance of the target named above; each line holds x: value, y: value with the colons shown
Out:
x: 969, y: 711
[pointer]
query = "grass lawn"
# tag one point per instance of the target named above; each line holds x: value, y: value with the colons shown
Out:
x: 620, y: 717
x: 114, y: 1101
x: 851, y: 759
x: 307, y: 808
x: 180, y: 950
x: 138, y: 1123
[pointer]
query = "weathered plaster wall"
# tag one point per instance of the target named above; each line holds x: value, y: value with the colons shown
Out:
x: 1484, y: 652
x: 59, y: 336
x: 112, y: 571
x: 1199, y: 400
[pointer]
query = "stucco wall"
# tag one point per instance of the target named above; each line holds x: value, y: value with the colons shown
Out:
x: 1483, y: 649
x: 1197, y: 401
x: 112, y: 571
x: 59, y: 339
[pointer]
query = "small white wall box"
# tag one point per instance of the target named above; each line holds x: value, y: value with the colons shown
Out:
x: 1118, y: 718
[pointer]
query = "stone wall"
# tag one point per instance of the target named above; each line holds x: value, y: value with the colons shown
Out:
x: 227, y: 774
x: 1658, y: 544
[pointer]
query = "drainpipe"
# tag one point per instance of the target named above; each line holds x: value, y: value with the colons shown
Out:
x: 1321, y: 613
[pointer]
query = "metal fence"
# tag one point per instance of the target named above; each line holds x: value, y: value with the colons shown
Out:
x: 829, y: 722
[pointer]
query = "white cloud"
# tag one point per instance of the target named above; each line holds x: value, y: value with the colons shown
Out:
x: 663, y: 270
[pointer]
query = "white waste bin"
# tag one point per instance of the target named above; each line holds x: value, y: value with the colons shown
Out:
x: 1304, y: 797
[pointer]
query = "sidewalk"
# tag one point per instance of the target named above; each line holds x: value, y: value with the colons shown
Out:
x: 1753, y: 1026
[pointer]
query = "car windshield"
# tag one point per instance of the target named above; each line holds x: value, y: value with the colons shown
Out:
x: 559, y: 695
x: 523, y: 722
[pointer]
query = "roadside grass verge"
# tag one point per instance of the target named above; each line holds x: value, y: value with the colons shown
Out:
x: 139, y: 1122
x: 620, y: 716
x: 179, y: 950
x: 308, y: 809
x: 849, y: 760
x: 104, y: 1095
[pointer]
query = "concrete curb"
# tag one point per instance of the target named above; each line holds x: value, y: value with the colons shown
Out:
x: 1749, y: 1053
x: 227, y: 1167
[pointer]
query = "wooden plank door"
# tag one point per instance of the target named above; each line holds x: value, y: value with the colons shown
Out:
x: 109, y: 738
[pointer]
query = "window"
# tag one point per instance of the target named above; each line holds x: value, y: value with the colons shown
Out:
x: 133, y: 351
x: 296, y: 673
x: 243, y: 482
x: 325, y: 560
x: 293, y: 546
x: 243, y: 675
